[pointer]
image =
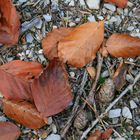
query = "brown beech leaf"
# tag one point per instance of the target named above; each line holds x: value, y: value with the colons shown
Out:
x: 81, y: 45
x: 16, y: 77
x: 50, y: 42
x: 123, y: 45
x: 119, y: 3
x: 107, y: 133
x: 9, y: 23
x: 103, y: 49
x: 24, y: 113
x: 9, y: 131
x: 51, y: 91
x: 119, y: 76
x: 95, y: 136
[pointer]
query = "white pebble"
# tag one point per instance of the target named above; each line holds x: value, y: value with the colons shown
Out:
x: 71, y: 3
x: 47, y: 17
x: 93, y: 4
x: 22, y: 1
x: 40, y: 51
x: 82, y: 2
x: 54, y: 129
x: 133, y: 105
x: 130, y: 28
x: 113, y: 19
x: 72, y: 74
x: 122, y: 138
x: 138, y: 128
x: 110, y: 7
x: 105, y: 74
x: 38, y: 25
x: 29, y: 38
x: 91, y: 18
x: 71, y: 24
x: 53, y: 137
x: 3, y: 119
x: 100, y: 17
x: 130, y: 4
x: 27, y: 52
x: 126, y: 113
x: 114, y: 113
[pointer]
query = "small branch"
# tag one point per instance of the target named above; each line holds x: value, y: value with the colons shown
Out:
x: 109, y: 107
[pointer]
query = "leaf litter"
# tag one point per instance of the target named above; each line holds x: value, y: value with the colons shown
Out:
x: 31, y: 52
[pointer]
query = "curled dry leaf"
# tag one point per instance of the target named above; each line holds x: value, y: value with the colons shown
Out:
x: 50, y: 42
x: 107, y: 91
x: 9, y: 23
x: 123, y: 45
x: 24, y: 113
x: 107, y: 133
x: 9, y: 131
x: 51, y: 91
x: 16, y: 77
x: 119, y: 3
x: 119, y: 76
x: 80, y: 46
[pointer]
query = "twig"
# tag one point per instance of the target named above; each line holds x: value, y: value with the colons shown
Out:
x: 75, y: 107
x: 131, y: 63
x: 109, y: 107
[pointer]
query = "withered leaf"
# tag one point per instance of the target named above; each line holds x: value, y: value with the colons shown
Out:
x: 24, y: 113
x: 95, y: 136
x: 51, y: 91
x: 106, y: 134
x: 103, y: 49
x: 16, y: 77
x: 119, y: 3
x: 81, y: 45
x: 9, y: 131
x: 50, y: 42
x: 119, y: 76
x: 9, y: 23
x: 123, y: 45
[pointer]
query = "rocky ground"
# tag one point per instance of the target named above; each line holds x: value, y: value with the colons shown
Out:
x: 41, y: 16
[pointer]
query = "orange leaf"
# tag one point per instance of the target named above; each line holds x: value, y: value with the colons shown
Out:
x: 9, y: 23
x: 16, y: 77
x: 95, y: 136
x: 24, y: 113
x: 50, y: 42
x: 81, y: 45
x: 51, y: 91
x: 107, y: 133
x: 9, y: 131
x: 123, y: 45
x: 119, y: 76
x: 119, y: 3
x: 103, y: 49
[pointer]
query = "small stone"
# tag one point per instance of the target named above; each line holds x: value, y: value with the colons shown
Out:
x: 38, y: 25
x: 54, y: 129
x: 53, y: 137
x: 77, y: 20
x: 110, y: 7
x: 130, y: 4
x: 71, y: 3
x: 82, y: 2
x: 91, y: 18
x: 30, y: 54
x: 29, y: 38
x: 115, y: 113
x: 100, y: 17
x: 72, y: 74
x: 93, y: 4
x: 22, y: 1
x: 129, y: 78
x: 27, y: 52
x: 3, y: 119
x: 133, y: 105
x: 40, y: 51
x: 120, y: 11
x: 47, y: 17
x: 126, y: 113
x: 49, y: 120
x: 71, y: 24
x: 105, y: 74
x: 113, y: 19
x: 125, y: 11
x: 138, y: 128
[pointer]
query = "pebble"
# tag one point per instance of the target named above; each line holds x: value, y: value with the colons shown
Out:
x: 138, y: 128
x: 27, y: 52
x: 113, y: 19
x: 105, y: 74
x: 72, y: 74
x: 100, y: 17
x: 22, y: 1
x: 53, y: 137
x: 54, y: 129
x: 40, y: 51
x: 82, y: 2
x: 129, y: 78
x: 125, y: 11
x: 133, y: 105
x: 29, y: 38
x: 72, y: 24
x: 114, y: 113
x: 71, y: 3
x: 120, y: 11
x: 42, y: 58
x: 93, y: 4
x: 3, y: 119
x: 47, y: 17
x: 110, y: 7
x: 31, y: 54
x: 126, y: 113
x: 91, y: 18
x: 130, y: 4
x: 38, y: 25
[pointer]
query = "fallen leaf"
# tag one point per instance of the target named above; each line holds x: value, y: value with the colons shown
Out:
x: 92, y: 72
x: 82, y: 44
x: 103, y: 49
x: 107, y: 133
x: 51, y: 91
x: 123, y: 45
x: 119, y: 3
x: 50, y: 42
x: 9, y: 131
x: 9, y: 23
x: 16, y: 77
x: 119, y: 76
x: 24, y: 113
x: 95, y: 136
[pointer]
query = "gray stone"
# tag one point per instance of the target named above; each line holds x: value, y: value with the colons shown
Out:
x: 114, y: 113
x: 47, y: 17
x: 93, y: 4
x: 133, y: 105
x: 29, y: 38
x: 91, y: 18
x: 126, y: 113
x: 110, y: 7
x: 53, y: 137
